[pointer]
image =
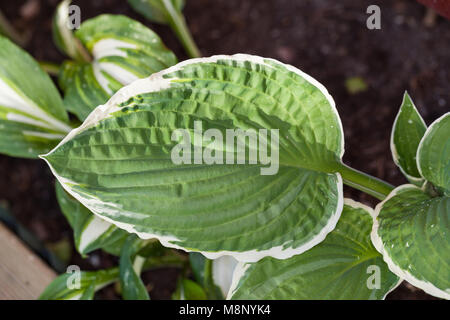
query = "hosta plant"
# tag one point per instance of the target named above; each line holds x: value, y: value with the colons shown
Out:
x: 285, y: 235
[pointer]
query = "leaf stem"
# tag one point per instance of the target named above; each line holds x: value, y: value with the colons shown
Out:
x: 49, y: 67
x: 364, y: 182
x: 178, y: 25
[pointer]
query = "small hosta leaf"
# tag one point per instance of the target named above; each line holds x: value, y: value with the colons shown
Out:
x: 130, y: 269
x: 156, y: 10
x: 79, y: 286
x: 412, y: 231
x: 407, y: 132
x: 433, y: 155
x: 63, y: 36
x: 32, y: 116
x: 119, y: 162
x: 123, y: 50
x: 90, y: 231
x: 344, y: 266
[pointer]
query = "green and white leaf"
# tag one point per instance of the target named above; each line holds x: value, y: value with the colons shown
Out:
x: 344, y: 266
x: 63, y: 35
x: 156, y: 10
x: 65, y: 287
x: 123, y: 50
x: 407, y: 132
x: 214, y: 275
x: 32, y: 116
x: 130, y: 267
x: 118, y: 163
x: 433, y: 154
x: 90, y: 231
x: 412, y: 231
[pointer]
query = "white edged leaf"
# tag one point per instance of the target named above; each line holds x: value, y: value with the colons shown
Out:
x: 411, y: 229
x: 344, y: 266
x: 433, y: 154
x: 407, y: 132
x: 118, y: 162
x: 32, y: 116
x: 123, y: 50
x: 67, y: 287
x: 156, y: 10
x: 90, y: 231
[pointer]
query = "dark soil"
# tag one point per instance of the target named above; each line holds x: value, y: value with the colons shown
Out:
x: 325, y: 38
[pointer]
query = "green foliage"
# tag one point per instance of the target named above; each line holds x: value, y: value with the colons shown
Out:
x: 411, y: 226
x: 344, y: 266
x: 121, y: 157
x: 32, y: 116
x: 66, y: 287
x: 271, y: 227
x: 407, y: 132
x: 130, y: 267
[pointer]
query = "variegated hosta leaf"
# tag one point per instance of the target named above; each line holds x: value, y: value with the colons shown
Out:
x: 433, y: 154
x: 407, y: 132
x: 79, y: 286
x: 123, y: 50
x: 344, y: 266
x: 32, y: 116
x: 118, y: 163
x: 63, y: 35
x: 90, y: 231
x: 412, y: 231
x: 156, y: 10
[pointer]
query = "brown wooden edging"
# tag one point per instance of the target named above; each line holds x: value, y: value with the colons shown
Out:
x: 23, y: 275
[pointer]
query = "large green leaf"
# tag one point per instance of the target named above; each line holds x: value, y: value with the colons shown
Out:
x: 412, y: 230
x: 118, y: 163
x: 32, y: 116
x: 123, y: 50
x: 407, y: 132
x: 90, y: 231
x: 64, y: 287
x: 344, y: 266
x: 156, y: 10
x: 433, y: 154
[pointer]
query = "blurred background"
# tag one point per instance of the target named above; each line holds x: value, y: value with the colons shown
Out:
x: 366, y: 71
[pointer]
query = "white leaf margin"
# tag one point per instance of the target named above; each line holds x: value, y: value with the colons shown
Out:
x: 426, y: 286
x: 157, y: 82
x: 242, y: 267
x: 425, y: 135
x: 395, y: 155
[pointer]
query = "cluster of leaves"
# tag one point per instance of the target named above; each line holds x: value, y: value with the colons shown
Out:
x: 287, y: 236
